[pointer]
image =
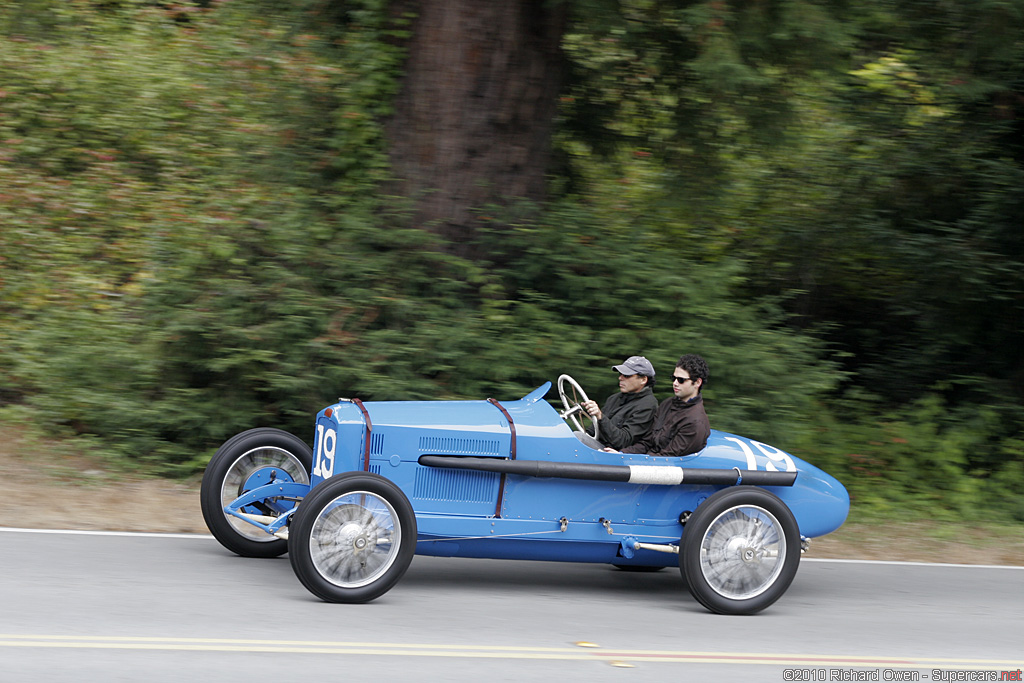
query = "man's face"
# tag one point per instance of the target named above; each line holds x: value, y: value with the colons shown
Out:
x: 684, y: 387
x: 630, y: 384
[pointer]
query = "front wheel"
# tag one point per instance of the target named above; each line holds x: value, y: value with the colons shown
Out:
x: 740, y: 550
x: 245, y: 462
x: 352, y: 538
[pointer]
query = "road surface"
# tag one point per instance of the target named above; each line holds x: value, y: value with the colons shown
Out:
x: 85, y: 607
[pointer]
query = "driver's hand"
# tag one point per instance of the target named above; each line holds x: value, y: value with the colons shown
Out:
x: 593, y: 409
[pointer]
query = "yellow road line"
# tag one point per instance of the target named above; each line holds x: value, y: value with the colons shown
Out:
x: 797, y: 660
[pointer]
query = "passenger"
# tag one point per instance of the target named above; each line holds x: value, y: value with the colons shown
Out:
x: 680, y: 424
x: 627, y: 415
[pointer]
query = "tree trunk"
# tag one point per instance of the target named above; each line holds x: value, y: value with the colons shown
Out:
x: 473, y: 119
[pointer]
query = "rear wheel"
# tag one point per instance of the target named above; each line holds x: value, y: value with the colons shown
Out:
x: 352, y: 538
x: 246, y: 461
x: 740, y: 550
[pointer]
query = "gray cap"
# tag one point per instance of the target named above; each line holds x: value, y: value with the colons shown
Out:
x: 635, y: 365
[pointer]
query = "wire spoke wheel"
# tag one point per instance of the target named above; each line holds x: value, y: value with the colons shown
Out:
x: 741, y: 554
x: 244, y: 462
x: 355, y: 539
x: 352, y: 538
x: 255, y: 468
x: 740, y: 550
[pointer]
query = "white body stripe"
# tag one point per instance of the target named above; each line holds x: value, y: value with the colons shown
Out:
x: 647, y: 474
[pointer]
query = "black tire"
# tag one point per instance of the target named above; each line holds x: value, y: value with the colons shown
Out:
x: 739, y: 551
x: 234, y: 469
x: 352, y: 538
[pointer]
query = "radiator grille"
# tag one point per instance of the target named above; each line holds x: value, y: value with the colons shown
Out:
x: 455, y: 485
x: 452, y: 446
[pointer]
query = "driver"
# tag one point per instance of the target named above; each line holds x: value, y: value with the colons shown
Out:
x: 627, y: 415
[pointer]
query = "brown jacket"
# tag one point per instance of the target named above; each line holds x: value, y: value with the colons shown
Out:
x: 680, y: 428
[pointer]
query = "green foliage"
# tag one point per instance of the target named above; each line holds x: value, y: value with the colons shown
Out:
x: 194, y: 239
x: 144, y: 151
x: 909, y: 187
x: 886, y: 221
x: 925, y: 457
x: 687, y: 81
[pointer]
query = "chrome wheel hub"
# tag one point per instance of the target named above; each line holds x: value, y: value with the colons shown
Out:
x: 355, y: 539
x: 741, y: 554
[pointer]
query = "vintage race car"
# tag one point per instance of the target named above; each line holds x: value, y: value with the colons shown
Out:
x: 390, y: 479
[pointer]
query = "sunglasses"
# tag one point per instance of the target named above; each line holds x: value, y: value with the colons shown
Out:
x: 681, y: 380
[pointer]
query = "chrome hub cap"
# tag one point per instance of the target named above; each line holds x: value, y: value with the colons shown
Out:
x: 742, y: 552
x: 355, y: 539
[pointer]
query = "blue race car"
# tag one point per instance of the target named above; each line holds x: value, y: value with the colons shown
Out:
x: 390, y: 479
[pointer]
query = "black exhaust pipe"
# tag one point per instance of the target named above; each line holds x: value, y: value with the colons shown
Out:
x: 633, y: 474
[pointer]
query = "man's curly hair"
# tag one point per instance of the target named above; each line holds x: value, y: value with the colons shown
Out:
x: 695, y: 367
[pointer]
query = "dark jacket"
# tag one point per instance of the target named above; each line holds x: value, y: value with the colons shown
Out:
x: 680, y: 428
x: 626, y: 417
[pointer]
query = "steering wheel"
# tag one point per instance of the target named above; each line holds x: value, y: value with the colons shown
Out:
x: 573, y: 398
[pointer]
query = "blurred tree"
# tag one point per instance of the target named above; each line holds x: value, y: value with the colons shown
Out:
x: 480, y: 89
x: 474, y: 115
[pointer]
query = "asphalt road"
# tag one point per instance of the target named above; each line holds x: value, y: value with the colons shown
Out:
x: 91, y: 607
